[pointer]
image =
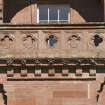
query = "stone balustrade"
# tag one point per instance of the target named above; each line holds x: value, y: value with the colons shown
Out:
x: 55, y: 42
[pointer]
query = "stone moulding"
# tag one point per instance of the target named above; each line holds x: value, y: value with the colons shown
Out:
x: 93, y: 25
x: 51, y: 69
x: 53, y: 61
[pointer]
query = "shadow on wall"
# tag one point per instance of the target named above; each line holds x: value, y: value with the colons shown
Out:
x: 90, y: 10
x: 3, y: 92
x: 12, y: 7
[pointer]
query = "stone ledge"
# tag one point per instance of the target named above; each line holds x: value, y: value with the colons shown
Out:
x: 51, y: 78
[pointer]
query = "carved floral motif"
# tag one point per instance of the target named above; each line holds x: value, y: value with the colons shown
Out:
x: 6, y: 40
x: 97, y: 40
x: 74, y: 40
x: 30, y: 41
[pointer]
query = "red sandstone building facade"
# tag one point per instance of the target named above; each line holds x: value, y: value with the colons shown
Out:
x: 52, y: 52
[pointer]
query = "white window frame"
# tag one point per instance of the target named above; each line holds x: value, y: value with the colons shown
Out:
x: 69, y: 13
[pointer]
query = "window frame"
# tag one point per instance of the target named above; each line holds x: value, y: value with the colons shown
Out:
x: 58, y: 21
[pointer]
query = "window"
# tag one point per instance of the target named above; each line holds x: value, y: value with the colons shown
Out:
x: 53, y: 14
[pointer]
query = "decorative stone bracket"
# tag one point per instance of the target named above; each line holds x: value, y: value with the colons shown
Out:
x: 47, y: 68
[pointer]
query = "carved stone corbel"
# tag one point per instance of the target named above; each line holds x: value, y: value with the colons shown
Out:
x: 10, y: 62
x: 65, y: 72
x: 37, y: 61
x: 51, y: 72
x: 37, y: 70
x: 79, y: 72
x: 23, y: 68
x: 51, y: 61
x: 23, y: 62
x: 10, y: 70
x: 92, y: 72
x: 65, y: 62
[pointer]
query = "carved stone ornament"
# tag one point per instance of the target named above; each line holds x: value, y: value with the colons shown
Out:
x: 37, y: 61
x: 23, y: 62
x: 96, y: 40
x: 10, y: 62
x: 51, y: 61
x: 6, y: 40
x: 51, y: 41
x: 29, y: 41
x: 74, y: 40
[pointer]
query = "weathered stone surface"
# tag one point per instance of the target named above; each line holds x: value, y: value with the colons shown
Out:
x: 32, y: 44
x: 34, y: 72
x: 50, y: 92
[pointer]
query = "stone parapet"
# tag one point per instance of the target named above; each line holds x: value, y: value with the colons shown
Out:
x: 45, y: 41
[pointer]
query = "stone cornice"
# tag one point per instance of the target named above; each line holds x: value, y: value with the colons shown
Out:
x: 93, y: 25
x: 73, y: 62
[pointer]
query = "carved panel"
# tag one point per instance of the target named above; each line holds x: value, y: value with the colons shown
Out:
x: 96, y: 39
x: 96, y: 43
x: 6, y: 40
x: 52, y: 39
x: 73, y: 40
x: 30, y: 40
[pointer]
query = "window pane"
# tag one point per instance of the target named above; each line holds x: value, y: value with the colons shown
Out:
x: 43, y: 12
x: 63, y: 13
x: 53, y: 13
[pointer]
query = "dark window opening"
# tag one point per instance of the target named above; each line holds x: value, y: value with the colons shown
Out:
x: 97, y: 40
x: 52, y: 40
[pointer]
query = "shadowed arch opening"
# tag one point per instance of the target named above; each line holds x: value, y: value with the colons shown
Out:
x: 89, y: 10
x: 12, y: 7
